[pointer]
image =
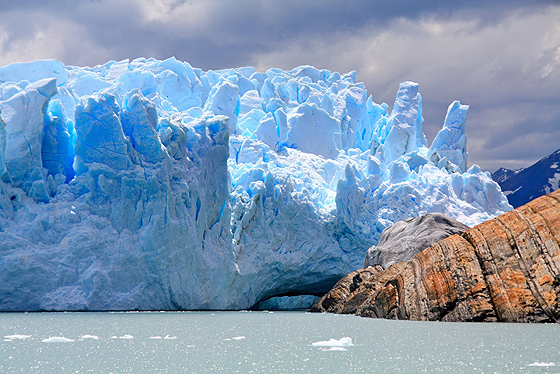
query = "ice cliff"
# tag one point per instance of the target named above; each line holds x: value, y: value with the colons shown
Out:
x: 151, y: 184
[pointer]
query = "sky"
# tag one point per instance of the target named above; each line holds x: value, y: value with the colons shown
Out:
x: 500, y: 57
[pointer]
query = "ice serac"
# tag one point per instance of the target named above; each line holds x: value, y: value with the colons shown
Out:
x: 23, y: 114
x: 150, y: 184
x: 404, y: 126
x: 449, y: 148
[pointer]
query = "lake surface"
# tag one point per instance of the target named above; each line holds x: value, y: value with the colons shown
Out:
x: 266, y: 342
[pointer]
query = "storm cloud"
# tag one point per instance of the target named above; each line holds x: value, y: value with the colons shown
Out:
x: 501, y: 57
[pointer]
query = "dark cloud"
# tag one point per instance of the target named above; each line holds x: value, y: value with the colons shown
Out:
x: 500, y: 57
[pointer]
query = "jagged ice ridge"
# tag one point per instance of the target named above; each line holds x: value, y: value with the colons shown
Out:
x: 150, y: 184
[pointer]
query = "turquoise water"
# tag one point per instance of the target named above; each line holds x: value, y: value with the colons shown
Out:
x: 265, y: 342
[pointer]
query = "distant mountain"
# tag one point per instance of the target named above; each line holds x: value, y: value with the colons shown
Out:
x: 502, y: 174
x: 523, y: 185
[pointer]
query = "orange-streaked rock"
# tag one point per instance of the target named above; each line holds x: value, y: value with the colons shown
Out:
x: 506, y: 269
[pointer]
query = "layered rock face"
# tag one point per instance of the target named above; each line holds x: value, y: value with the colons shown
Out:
x: 506, y: 269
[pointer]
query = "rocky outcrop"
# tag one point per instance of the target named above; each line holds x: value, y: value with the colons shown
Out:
x: 506, y: 269
x: 405, y: 239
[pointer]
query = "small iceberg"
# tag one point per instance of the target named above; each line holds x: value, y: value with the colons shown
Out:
x: 57, y: 339
x: 171, y: 337
x: 238, y: 338
x: 126, y: 336
x: 333, y: 349
x: 543, y: 364
x: 155, y: 337
x: 343, y: 342
x: 16, y: 337
x: 93, y: 337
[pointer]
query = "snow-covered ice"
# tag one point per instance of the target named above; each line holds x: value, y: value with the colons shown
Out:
x: 153, y: 185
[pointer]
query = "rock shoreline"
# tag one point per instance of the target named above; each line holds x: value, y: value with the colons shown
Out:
x: 506, y: 269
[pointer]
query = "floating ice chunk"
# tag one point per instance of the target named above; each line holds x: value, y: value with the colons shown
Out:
x: 93, y: 337
x: 16, y: 337
x: 542, y: 364
x: 238, y: 338
x: 342, y: 342
x: 155, y: 337
x: 57, y: 339
x: 126, y: 336
x: 171, y: 337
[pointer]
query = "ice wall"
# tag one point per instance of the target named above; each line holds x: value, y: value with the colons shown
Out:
x: 149, y: 184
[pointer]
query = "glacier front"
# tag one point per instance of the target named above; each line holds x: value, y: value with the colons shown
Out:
x: 153, y: 185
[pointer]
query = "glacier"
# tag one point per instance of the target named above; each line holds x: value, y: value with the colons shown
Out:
x: 153, y: 185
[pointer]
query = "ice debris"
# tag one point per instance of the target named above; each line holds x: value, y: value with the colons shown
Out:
x: 542, y: 364
x: 334, y: 349
x: 153, y: 185
x: 342, y: 342
x: 93, y: 337
x: 16, y: 337
x: 57, y: 339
